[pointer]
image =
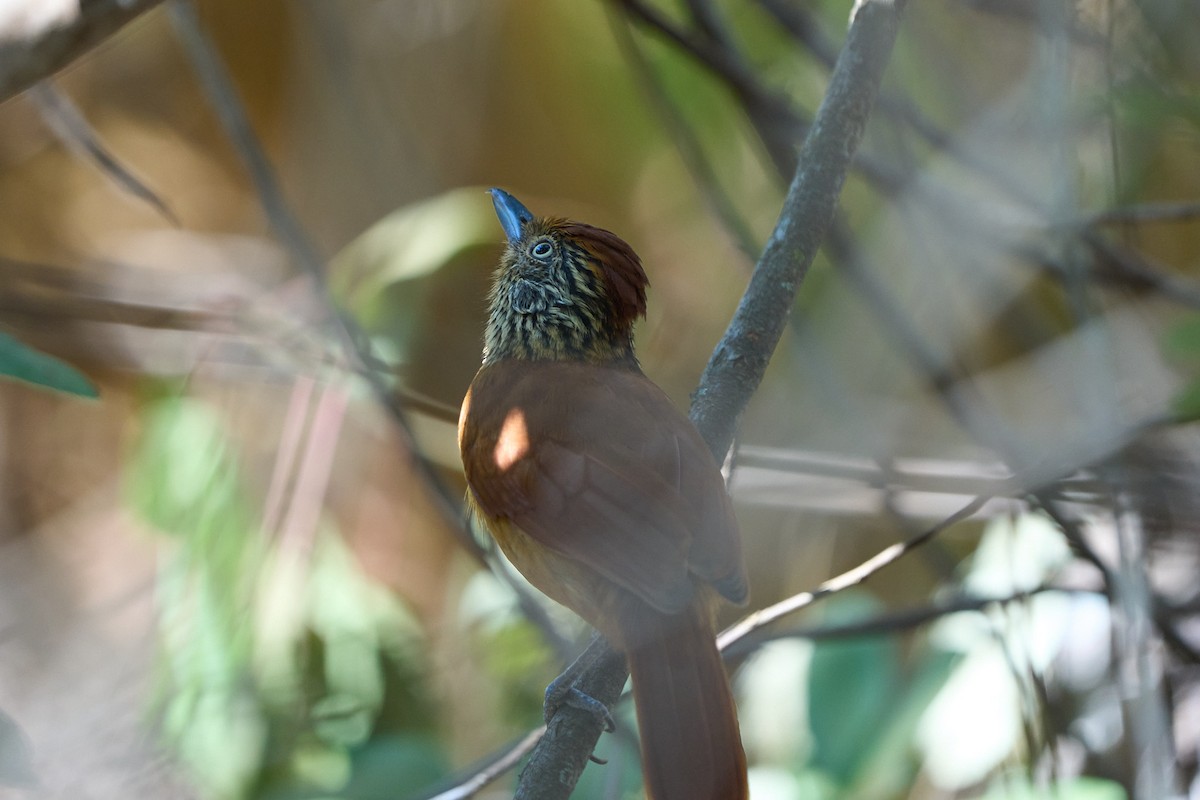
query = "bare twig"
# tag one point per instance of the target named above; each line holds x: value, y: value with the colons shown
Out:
x: 849, y: 578
x: 1146, y: 212
x: 912, y: 475
x: 686, y: 143
x: 499, y: 763
x: 803, y: 27
x: 888, y: 624
x: 1114, y: 261
x: 219, y: 86
x: 31, y: 55
x: 776, y: 121
x: 800, y: 24
x: 72, y: 128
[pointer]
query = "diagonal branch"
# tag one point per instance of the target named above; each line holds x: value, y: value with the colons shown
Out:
x: 740, y: 360
x: 69, y: 124
x: 852, y: 577
x: 218, y: 84
x: 34, y: 47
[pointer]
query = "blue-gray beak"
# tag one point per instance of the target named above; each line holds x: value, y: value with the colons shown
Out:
x: 511, y: 213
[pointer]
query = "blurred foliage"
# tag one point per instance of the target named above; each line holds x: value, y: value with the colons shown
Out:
x: 1182, y: 344
x: 284, y: 669
x: 1019, y: 788
x: 850, y: 685
x: 408, y: 244
x: 863, y: 705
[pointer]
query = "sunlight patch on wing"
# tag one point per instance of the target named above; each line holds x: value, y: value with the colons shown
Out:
x: 513, y: 443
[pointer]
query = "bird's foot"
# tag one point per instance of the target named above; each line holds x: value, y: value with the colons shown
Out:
x: 562, y: 693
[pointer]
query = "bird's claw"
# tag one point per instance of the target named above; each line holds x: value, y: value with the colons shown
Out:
x: 564, y: 694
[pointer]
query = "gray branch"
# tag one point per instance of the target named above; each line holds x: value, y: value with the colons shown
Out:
x: 40, y: 49
x: 740, y: 359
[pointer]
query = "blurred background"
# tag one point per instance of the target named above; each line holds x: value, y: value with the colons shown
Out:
x: 236, y: 574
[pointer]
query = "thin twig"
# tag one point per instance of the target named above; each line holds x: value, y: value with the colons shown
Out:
x: 1146, y: 212
x: 290, y: 439
x: 496, y: 765
x: 776, y: 121
x: 847, y: 579
x: 912, y: 475
x: 298, y: 531
x: 1137, y: 270
x: 803, y: 27
x: 889, y: 624
x: 219, y: 85
x: 686, y: 143
x: 68, y: 123
x: 800, y: 24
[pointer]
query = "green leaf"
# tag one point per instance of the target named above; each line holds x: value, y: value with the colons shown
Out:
x: 414, y: 241
x: 22, y: 362
x: 342, y: 719
x: 184, y: 479
x: 851, y: 689
x: 1182, y: 340
x: 391, y: 766
x: 1186, y: 404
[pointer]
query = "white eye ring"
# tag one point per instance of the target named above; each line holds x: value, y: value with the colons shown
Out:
x: 541, y: 250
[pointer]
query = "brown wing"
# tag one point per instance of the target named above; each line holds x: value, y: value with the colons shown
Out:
x: 598, y: 465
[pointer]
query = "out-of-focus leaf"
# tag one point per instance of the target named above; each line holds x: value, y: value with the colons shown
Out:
x: 222, y: 742
x: 1182, y: 340
x: 519, y: 660
x: 183, y: 479
x: 394, y: 766
x: 358, y: 622
x: 414, y: 241
x: 890, y: 768
x: 782, y: 784
x: 1186, y: 404
x: 22, y: 362
x: 16, y: 755
x: 973, y: 723
x: 1153, y: 106
x: 1015, y: 554
x: 851, y: 689
x: 323, y: 768
x: 772, y: 695
x: 342, y: 719
x: 1182, y: 344
x: 1083, y: 788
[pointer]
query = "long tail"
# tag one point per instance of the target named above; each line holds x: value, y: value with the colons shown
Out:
x: 691, y: 747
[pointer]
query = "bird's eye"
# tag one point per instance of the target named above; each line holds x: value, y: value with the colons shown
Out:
x: 541, y: 250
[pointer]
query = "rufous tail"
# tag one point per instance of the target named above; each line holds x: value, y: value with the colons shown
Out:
x: 691, y: 746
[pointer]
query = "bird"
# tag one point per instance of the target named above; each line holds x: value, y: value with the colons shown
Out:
x: 602, y: 493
